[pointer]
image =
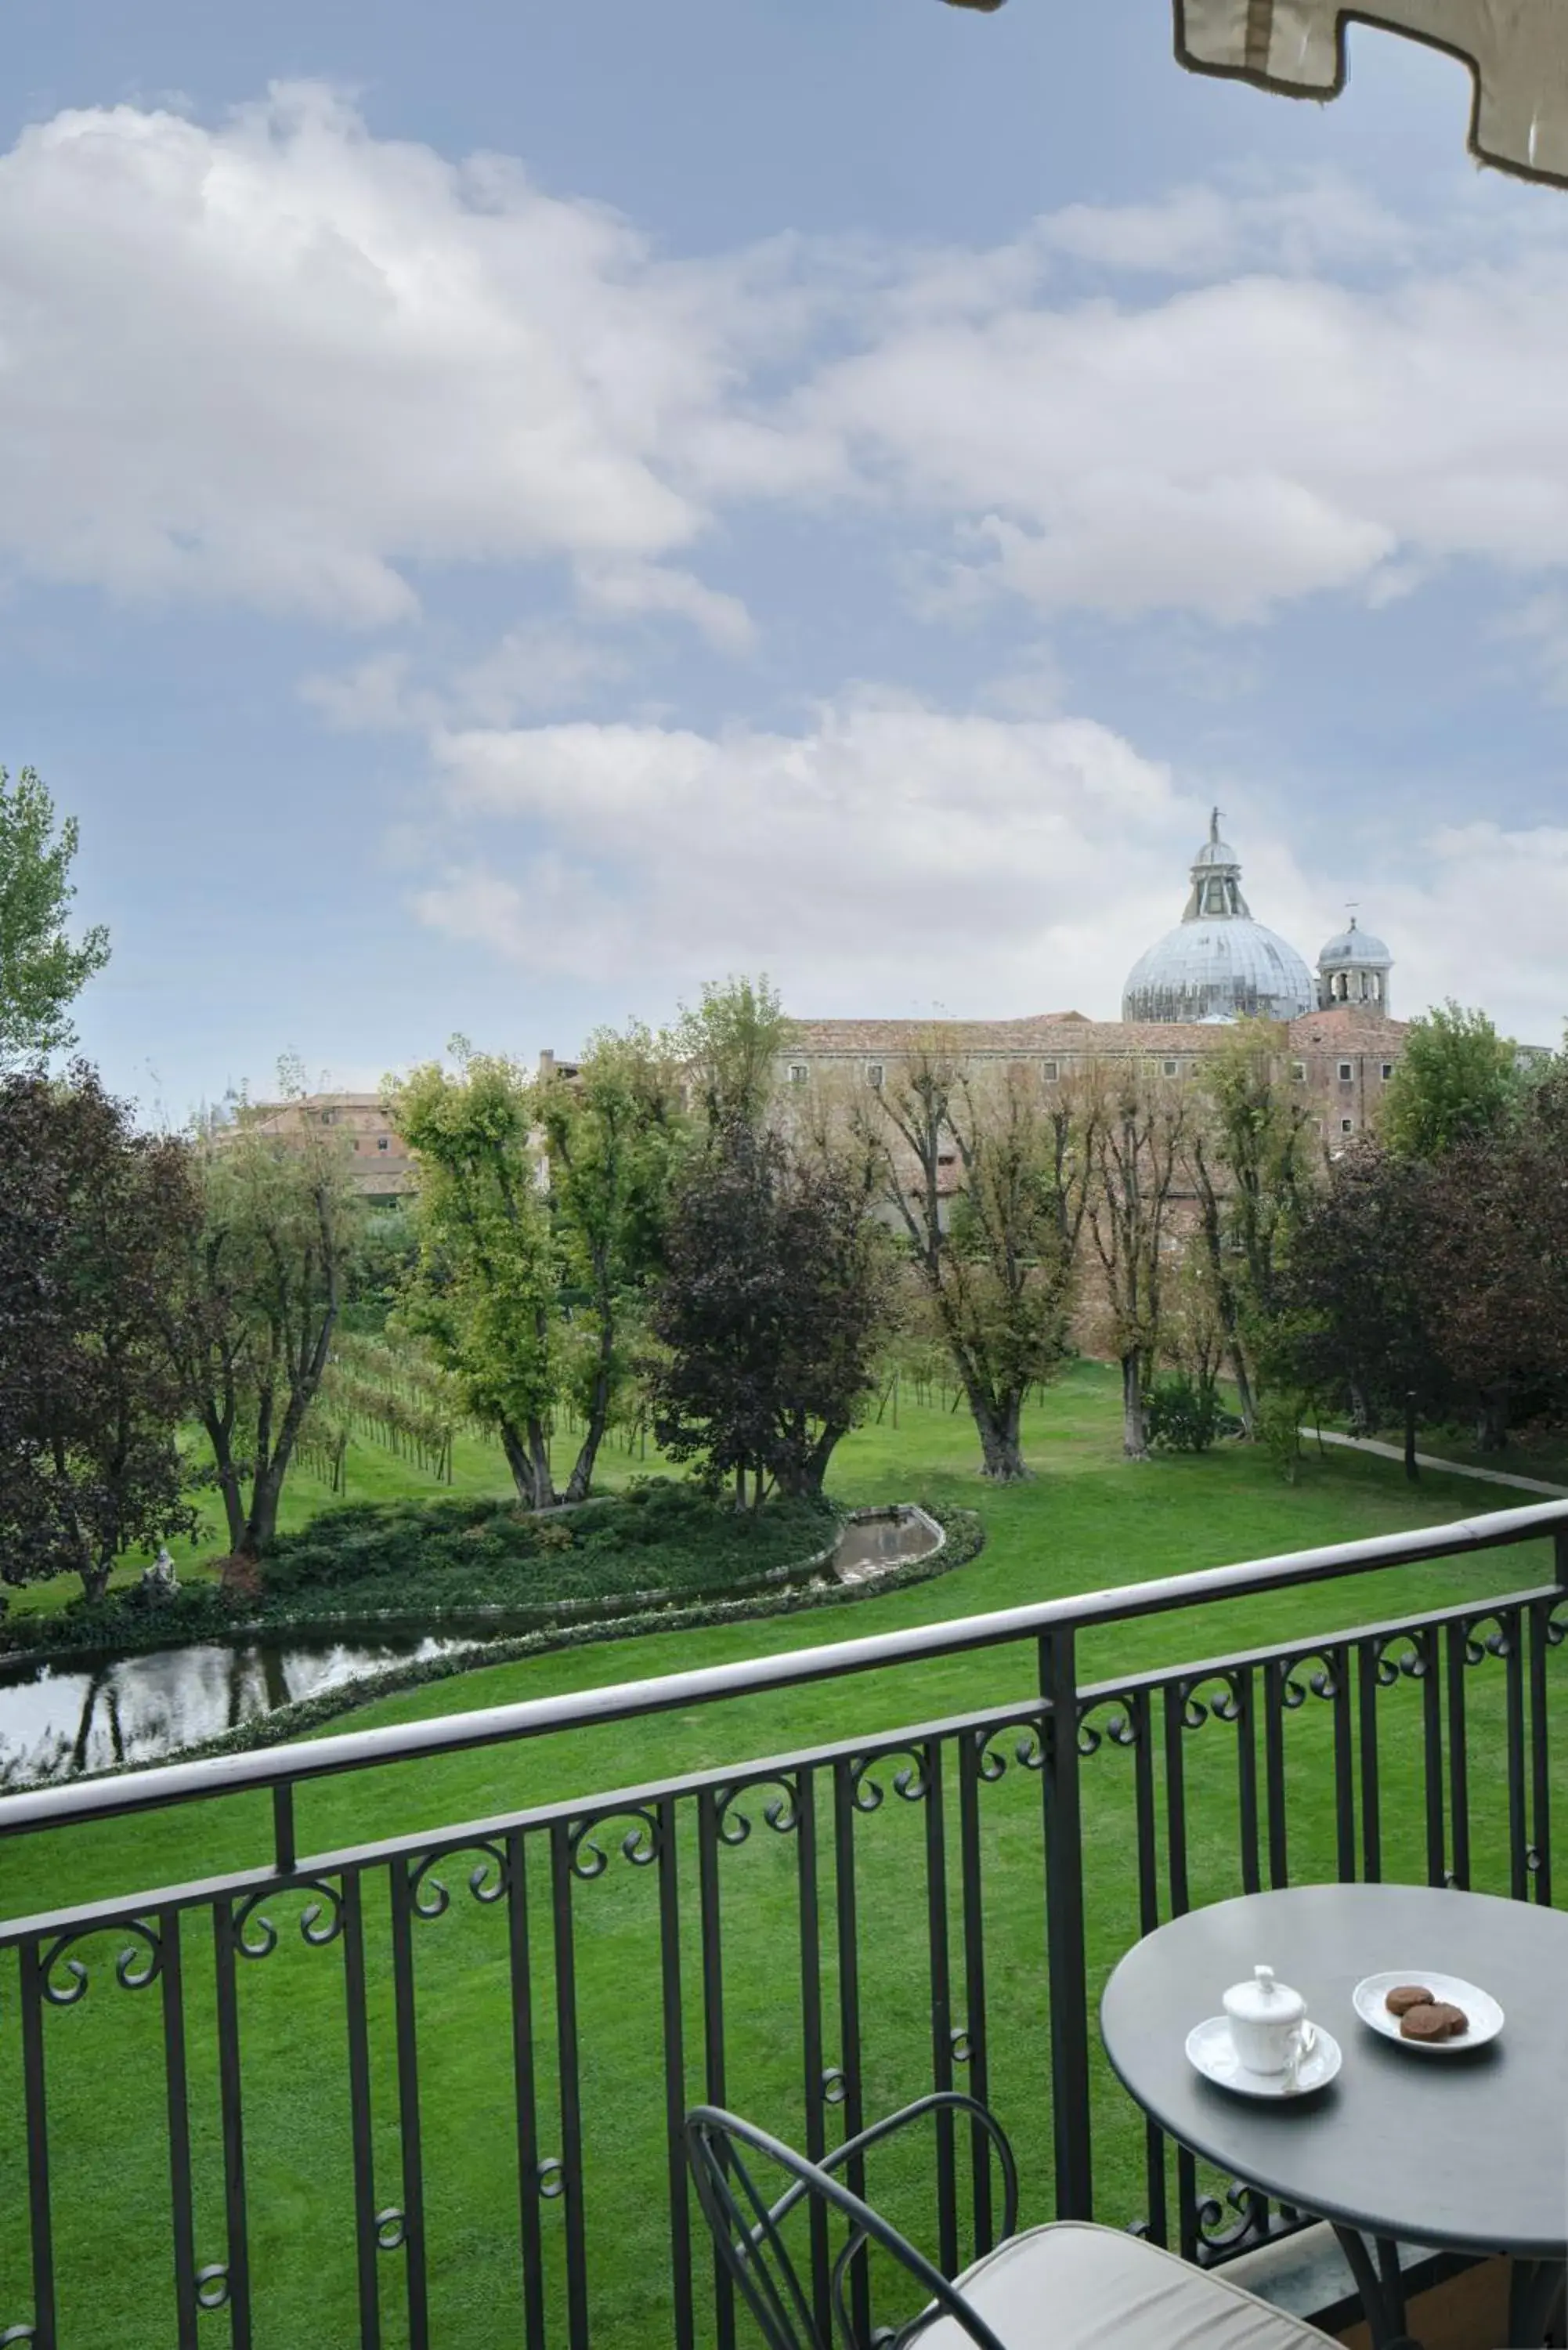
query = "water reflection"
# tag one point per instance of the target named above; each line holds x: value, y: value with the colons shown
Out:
x: 56, y: 1719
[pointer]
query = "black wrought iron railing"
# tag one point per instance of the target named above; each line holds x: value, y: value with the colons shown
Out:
x: 282, y: 2061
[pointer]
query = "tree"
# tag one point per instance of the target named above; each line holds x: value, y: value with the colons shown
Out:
x: 987, y: 1180
x: 770, y: 1312
x: 41, y: 972
x: 612, y: 1136
x: 1496, y: 1273
x: 1458, y: 1080
x: 488, y: 1288
x: 729, y: 1047
x: 1138, y: 1132
x: 249, y: 1322
x: 1248, y: 1152
x: 91, y: 1216
x: 1356, y: 1325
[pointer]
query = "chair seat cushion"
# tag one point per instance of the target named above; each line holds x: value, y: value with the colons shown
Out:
x: 1072, y: 2286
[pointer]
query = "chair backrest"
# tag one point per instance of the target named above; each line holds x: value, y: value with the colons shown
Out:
x: 748, y: 2230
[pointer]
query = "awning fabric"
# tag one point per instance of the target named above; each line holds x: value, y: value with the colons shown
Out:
x: 1517, y: 51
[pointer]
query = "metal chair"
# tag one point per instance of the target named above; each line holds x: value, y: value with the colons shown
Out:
x: 1068, y: 2285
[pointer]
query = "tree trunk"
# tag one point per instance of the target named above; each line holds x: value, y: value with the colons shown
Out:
x: 539, y: 1455
x: 521, y: 1459
x: 1412, y: 1466
x: 1001, y: 1446
x: 1246, y: 1401
x: 1491, y: 1421
x: 218, y: 1437
x: 1134, y: 1431
x: 1360, y: 1412
x: 582, y: 1476
x: 266, y: 1493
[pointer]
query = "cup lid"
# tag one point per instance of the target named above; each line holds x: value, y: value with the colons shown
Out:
x: 1264, y: 1999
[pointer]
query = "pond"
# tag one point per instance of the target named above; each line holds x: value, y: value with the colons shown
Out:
x: 89, y: 1713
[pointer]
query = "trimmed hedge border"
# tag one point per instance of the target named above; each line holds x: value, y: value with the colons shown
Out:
x: 203, y: 1610
x: 964, y: 1539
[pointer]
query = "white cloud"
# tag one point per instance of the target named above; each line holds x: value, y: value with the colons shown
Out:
x: 284, y: 361
x: 891, y: 856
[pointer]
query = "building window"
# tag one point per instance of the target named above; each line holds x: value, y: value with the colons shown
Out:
x: 382, y: 1143
x: 327, y: 1118
x: 797, y: 1073
x: 1347, y: 1126
x: 1171, y: 1069
x: 1049, y: 1071
x: 1387, y: 1071
x: 1375, y: 987
x: 1298, y: 1071
x: 874, y: 1074
x: 1345, y: 1073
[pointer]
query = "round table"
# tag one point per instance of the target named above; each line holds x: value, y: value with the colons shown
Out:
x: 1464, y: 2152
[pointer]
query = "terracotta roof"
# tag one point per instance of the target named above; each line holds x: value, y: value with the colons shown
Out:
x: 1074, y: 1034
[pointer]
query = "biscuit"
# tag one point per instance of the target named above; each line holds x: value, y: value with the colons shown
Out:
x: 1405, y: 1996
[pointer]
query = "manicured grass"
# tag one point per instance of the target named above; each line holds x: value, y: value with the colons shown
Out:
x: 1087, y: 1521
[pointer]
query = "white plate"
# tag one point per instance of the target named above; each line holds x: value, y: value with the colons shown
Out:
x: 1210, y: 2048
x: 1485, y: 2015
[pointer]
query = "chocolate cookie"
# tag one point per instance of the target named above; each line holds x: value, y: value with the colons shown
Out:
x: 1435, y: 2020
x: 1405, y: 1996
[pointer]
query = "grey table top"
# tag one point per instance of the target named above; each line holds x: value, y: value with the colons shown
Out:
x: 1467, y: 2152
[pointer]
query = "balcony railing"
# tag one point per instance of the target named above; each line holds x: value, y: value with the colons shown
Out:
x: 427, y: 2088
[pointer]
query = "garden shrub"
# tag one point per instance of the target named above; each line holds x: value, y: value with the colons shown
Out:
x: 1184, y: 1415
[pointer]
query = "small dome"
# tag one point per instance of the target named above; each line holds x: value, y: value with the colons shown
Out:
x: 1357, y: 946
x: 1216, y: 851
x: 1213, y: 970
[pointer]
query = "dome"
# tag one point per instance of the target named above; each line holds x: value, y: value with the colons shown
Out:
x: 1218, y: 963
x: 1210, y: 970
x: 1357, y: 946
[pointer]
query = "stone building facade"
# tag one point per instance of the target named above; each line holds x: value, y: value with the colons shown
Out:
x: 1182, y: 998
x: 381, y: 1164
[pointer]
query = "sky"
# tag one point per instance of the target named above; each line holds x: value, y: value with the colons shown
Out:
x: 509, y: 512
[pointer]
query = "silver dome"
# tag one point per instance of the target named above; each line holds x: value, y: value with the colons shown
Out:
x: 1218, y: 963
x: 1357, y: 946
x: 1219, y: 970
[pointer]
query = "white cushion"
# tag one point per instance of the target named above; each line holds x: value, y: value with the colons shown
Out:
x: 1072, y: 2286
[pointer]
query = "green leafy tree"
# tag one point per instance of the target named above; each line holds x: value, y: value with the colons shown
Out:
x: 1139, y: 1126
x: 249, y: 1322
x: 987, y: 1180
x: 41, y: 972
x: 730, y: 1048
x: 1250, y: 1149
x: 92, y: 1215
x: 1458, y: 1080
x: 613, y: 1135
x: 770, y: 1315
x: 488, y: 1289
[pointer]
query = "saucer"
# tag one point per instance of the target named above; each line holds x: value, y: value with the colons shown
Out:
x: 1485, y: 2015
x: 1211, y: 2049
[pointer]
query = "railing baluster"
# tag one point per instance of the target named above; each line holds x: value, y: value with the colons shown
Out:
x: 237, y: 2261
x: 974, y: 2025
x: 1432, y: 1753
x: 675, y: 2074
x: 1066, y: 1955
x: 570, y: 2089
x: 1275, y: 1674
x: 813, y: 2056
x: 1141, y: 1717
x: 183, y: 2220
x: 1459, y: 1761
x: 1246, y: 1779
x: 525, y: 2089
x: 413, y: 2198
x: 848, y: 1917
x: 931, y: 1759
x: 1512, y: 1628
x: 1371, y: 1802
x: 361, y: 2132
x: 1338, y: 1662
x: 1540, y: 1618
x: 713, y: 2065
x: 37, y: 2124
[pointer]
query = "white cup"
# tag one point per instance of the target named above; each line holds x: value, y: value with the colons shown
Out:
x: 1269, y: 2027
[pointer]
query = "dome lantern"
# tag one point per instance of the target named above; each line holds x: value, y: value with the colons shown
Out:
x: 1353, y: 968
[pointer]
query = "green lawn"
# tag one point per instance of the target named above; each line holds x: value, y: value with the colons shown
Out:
x: 1087, y: 1521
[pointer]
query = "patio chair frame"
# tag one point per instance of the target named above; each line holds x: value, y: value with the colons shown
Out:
x: 747, y: 2228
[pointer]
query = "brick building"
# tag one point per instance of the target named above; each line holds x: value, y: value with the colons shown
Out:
x: 380, y: 1162
x: 1182, y: 997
